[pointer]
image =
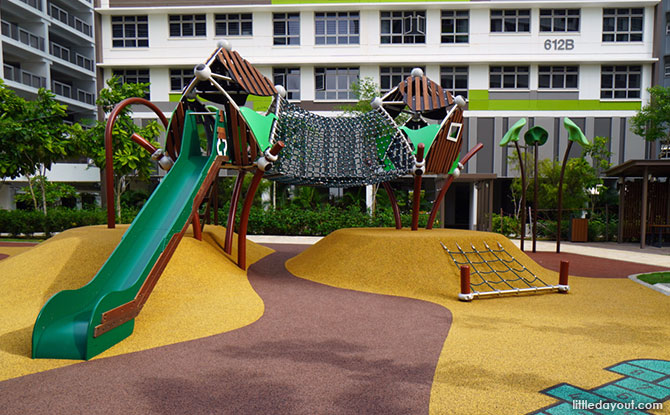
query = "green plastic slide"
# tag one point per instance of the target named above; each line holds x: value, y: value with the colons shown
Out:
x: 64, y: 328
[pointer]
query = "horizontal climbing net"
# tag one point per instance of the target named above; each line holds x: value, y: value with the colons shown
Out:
x: 496, y: 272
x: 339, y: 151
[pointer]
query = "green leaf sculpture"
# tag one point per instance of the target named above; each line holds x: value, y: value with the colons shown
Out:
x: 574, y: 132
x: 513, y: 133
x: 535, y: 135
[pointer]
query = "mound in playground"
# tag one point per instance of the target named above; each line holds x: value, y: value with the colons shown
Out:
x: 502, y: 352
x: 202, y: 292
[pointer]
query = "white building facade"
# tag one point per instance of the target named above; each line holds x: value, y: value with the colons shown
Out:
x: 543, y: 60
x: 51, y: 44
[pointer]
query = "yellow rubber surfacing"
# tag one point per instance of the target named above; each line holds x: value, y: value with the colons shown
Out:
x: 201, y: 292
x: 500, y: 352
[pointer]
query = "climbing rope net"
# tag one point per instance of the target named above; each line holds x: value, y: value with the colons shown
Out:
x: 339, y: 151
x: 496, y: 272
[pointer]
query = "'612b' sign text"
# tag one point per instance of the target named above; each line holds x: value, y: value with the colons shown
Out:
x: 559, y: 44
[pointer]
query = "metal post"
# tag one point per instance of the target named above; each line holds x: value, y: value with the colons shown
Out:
x: 643, y: 219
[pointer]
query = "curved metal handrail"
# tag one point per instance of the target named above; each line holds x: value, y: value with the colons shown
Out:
x: 109, y: 161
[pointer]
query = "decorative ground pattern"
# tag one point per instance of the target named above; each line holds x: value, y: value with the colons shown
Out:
x: 645, y: 382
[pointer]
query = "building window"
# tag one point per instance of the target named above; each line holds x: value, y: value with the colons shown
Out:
x: 666, y: 73
x: 403, y: 27
x: 234, y: 24
x: 455, y: 26
x: 286, y: 28
x: 667, y: 25
x: 130, y: 32
x: 188, y: 25
x: 133, y: 76
x: 558, y: 77
x: 508, y: 77
x: 623, y: 25
x: 455, y: 80
x: 337, y: 28
x: 289, y: 78
x: 180, y: 78
x: 621, y: 81
x: 391, y: 76
x: 510, y: 21
x: 335, y: 83
x: 559, y: 20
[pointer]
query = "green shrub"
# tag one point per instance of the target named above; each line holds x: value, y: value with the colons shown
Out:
x: 509, y: 226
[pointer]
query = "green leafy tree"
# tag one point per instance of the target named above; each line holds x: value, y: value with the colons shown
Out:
x: 653, y: 121
x: 365, y: 90
x: 33, y: 136
x: 54, y: 192
x: 130, y: 160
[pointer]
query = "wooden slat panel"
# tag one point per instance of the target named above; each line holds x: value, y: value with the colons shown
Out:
x: 433, y: 96
x: 417, y: 94
x: 259, y: 79
x: 440, y: 93
x: 246, y: 79
x: 409, y: 94
x: 253, y: 146
x: 424, y: 84
x: 226, y: 59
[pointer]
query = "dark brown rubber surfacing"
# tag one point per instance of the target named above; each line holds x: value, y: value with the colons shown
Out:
x: 588, y: 266
x: 316, y: 350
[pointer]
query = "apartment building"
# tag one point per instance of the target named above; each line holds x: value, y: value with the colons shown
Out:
x: 543, y: 60
x: 50, y: 44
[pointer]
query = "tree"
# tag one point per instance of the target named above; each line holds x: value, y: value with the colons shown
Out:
x: 33, y: 136
x: 130, y: 160
x: 365, y: 90
x: 653, y: 121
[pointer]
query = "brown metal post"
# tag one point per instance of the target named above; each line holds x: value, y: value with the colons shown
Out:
x: 416, y: 197
x: 445, y: 187
x: 563, y: 273
x: 643, y: 219
x: 138, y: 139
x: 248, y: 201
x: 560, y: 198
x: 232, y: 211
x: 394, y: 204
x: 109, y: 151
x: 465, y: 279
x: 197, y: 230
x: 523, y: 195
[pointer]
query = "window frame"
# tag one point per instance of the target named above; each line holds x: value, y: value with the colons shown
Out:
x: 352, y: 20
x: 183, y: 20
x: 285, y: 72
x: 619, y: 70
x: 507, y: 16
x: 515, y: 73
x: 455, y: 17
x: 451, y: 72
x: 563, y: 71
x: 185, y: 78
x: 555, y: 15
x: 339, y: 71
x: 225, y: 19
x: 402, y: 18
x: 628, y: 33
x: 285, y: 19
x: 125, y: 23
x: 134, y: 76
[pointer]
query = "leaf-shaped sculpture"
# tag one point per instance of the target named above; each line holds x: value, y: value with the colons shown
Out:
x: 513, y: 133
x: 574, y: 132
x: 537, y: 135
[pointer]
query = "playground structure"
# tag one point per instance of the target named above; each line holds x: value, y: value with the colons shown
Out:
x: 315, y: 150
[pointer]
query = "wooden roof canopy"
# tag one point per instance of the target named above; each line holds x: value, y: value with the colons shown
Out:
x: 421, y: 95
x: 636, y: 168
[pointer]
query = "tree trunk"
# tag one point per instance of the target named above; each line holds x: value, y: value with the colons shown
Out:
x: 44, y: 194
x: 117, y: 196
x: 32, y: 192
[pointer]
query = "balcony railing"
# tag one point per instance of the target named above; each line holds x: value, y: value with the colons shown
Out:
x: 72, y: 21
x: 19, y: 75
x: 22, y: 35
x: 65, y: 54
x: 34, y: 3
x: 61, y: 89
x: 85, y: 97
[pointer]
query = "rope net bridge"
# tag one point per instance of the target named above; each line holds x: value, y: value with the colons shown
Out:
x: 496, y: 272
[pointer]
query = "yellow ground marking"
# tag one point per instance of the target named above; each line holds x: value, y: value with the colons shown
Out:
x: 500, y: 352
x: 202, y: 292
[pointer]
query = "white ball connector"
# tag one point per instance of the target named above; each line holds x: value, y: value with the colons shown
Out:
x: 460, y: 101
x: 417, y: 72
x: 223, y: 44
x: 376, y: 103
x: 281, y: 90
x: 202, y: 72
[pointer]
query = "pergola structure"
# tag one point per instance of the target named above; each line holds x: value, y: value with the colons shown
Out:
x: 653, y: 211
